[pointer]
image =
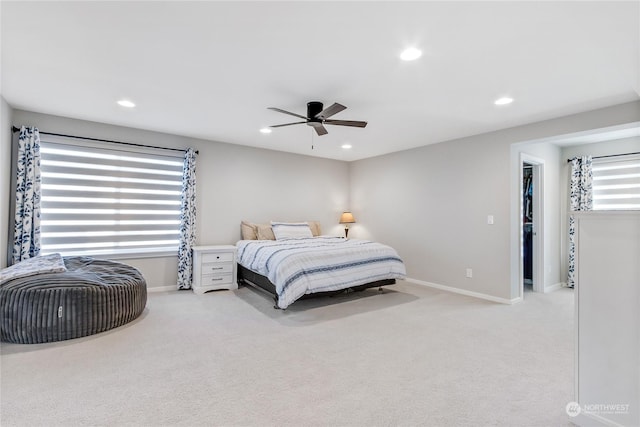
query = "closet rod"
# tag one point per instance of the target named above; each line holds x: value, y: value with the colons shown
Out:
x: 16, y: 129
x: 611, y: 155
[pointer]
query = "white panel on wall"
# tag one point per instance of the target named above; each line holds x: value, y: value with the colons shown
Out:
x: 608, y: 317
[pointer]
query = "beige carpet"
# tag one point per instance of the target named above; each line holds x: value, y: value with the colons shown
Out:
x: 409, y: 356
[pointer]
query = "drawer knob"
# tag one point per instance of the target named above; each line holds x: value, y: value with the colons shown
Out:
x: 216, y: 268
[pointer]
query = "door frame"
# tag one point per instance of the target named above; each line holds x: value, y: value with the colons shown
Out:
x: 538, y: 222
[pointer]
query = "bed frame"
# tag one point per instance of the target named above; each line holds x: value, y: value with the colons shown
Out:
x: 251, y: 278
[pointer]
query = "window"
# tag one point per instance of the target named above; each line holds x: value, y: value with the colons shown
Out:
x: 616, y: 183
x: 106, y: 201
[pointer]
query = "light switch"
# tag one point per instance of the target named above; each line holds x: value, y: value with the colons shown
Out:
x: 490, y: 220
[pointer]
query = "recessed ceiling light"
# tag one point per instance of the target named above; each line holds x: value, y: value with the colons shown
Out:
x: 265, y: 130
x: 346, y: 146
x: 410, y: 54
x: 126, y: 103
x: 503, y: 101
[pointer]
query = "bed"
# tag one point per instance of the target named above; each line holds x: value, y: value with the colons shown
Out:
x: 292, y: 267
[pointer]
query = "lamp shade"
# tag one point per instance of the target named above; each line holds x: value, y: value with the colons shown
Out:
x: 347, y: 218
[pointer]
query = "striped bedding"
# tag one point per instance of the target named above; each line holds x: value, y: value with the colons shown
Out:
x: 308, y: 265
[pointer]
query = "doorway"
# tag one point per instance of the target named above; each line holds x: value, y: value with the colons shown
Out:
x: 527, y: 226
x: 531, y: 224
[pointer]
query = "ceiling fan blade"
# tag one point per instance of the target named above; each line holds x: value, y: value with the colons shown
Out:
x: 286, y: 112
x: 287, y: 124
x: 354, y: 123
x: 330, y: 111
x: 320, y: 130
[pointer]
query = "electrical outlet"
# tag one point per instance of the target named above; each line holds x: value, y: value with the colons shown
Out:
x: 490, y: 219
x: 469, y: 273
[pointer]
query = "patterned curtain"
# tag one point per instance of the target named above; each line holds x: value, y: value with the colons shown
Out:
x: 26, y: 234
x: 187, y: 220
x: 581, y: 194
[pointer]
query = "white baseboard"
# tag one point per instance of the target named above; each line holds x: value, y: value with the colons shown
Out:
x: 555, y: 287
x: 464, y: 292
x: 162, y: 288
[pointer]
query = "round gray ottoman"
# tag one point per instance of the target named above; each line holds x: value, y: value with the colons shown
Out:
x: 92, y: 296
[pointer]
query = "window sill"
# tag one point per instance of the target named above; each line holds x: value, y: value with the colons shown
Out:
x: 165, y: 254
x: 123, y: 255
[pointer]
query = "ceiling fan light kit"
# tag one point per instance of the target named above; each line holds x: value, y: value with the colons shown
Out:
x: 318, y: 116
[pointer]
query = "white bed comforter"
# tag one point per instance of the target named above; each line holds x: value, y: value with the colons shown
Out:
x: 307, y: 265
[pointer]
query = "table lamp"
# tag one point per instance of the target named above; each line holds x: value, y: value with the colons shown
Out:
x: 346, y: 218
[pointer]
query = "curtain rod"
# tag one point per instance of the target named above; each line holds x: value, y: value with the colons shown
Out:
x: 611, y: 155
x: 16, y: 129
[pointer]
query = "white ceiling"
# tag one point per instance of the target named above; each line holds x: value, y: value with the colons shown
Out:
x: 211, y: 69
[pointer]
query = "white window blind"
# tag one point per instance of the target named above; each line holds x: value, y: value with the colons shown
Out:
x: 103, y: 201
x: 616, y: 183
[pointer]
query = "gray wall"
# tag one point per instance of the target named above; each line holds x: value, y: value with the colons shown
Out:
x: 6, y: 117
x: 234, y: 183
x: 605, y: 148
x: 431, y: 203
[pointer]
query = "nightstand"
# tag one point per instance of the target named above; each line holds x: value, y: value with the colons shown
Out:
x: 214, y: 267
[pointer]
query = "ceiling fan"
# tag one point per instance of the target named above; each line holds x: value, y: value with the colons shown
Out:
x: 317, y: 117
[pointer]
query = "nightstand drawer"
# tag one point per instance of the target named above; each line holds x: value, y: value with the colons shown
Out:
x: 217, y: 268
x: 216, y: 279
x: 217, y: 257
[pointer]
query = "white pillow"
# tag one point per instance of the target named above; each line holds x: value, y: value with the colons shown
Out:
x: 52, y: 263
x: 290, y: 230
